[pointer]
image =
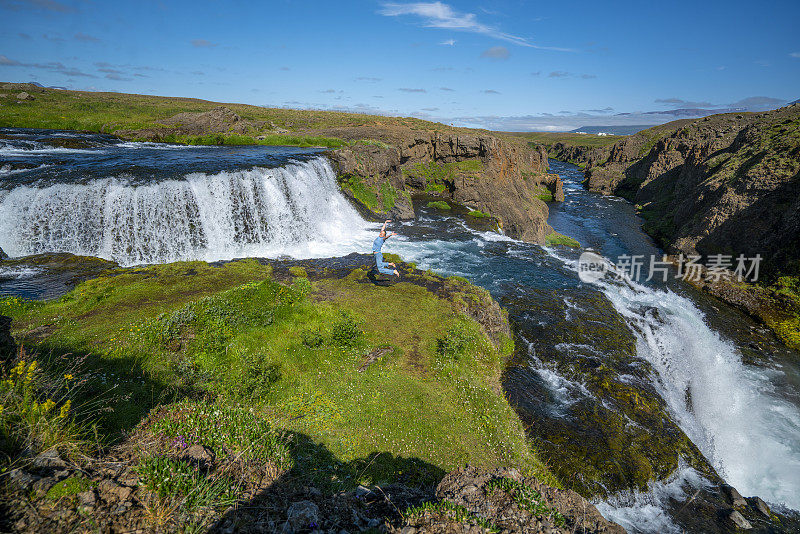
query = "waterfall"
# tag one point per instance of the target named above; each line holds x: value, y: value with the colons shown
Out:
x: 295, y: 210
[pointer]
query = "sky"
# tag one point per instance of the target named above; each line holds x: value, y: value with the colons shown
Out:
x: 505, y: 65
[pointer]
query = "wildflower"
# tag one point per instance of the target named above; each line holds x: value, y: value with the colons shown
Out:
x: 65, y: 409
x: 68, y: 376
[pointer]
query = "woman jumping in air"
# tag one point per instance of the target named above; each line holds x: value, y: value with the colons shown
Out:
x: 376, y: 250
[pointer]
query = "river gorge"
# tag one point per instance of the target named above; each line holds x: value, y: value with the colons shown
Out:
x: 641, y: 394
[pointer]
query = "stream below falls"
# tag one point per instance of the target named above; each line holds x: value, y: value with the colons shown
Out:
x: 621, y: 384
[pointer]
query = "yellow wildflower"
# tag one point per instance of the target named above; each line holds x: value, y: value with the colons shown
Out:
x: 65, y: 409
x: 68, y: 376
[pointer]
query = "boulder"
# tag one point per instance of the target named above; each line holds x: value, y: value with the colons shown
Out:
x: 733, y: 496
x: 49, y: 460
x: 22, y: 480
x: 302, y: 516
x: 738, y: 519
x: 3, y: 255
x: 760, y: 505
x: 24, y: 96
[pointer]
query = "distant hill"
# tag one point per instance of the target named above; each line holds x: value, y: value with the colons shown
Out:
x: 613, y: 130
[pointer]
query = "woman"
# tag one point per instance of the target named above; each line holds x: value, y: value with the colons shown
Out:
x: 383, y: 267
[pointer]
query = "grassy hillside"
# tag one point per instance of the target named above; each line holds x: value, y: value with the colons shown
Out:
x: 111, y: 112
x: 286, y: 366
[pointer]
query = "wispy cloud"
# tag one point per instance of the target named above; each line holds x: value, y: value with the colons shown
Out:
x: 47, y: 5
x: 795, y: 55
x: 202, y: 43
x: 496, y: 52
x: 53, y: 66
x: 25, y: 36
x: 559, y: 74
x: 490, y: 92
x: 412, y: 90
x: 8, y: 62
x: 537, y: 73
x: 53, y: 38
x: 681, y: 103
x: 80, y: 36
x: 588, y: 76
x: 117, y: 77
x: 442, y: 16
x: 449, y: 42
x: 368, y: 79
x: 448, y: 89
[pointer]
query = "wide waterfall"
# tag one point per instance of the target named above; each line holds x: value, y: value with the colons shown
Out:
x: 294, y: 210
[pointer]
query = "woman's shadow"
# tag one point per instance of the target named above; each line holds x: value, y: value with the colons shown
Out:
x: 379, y: 279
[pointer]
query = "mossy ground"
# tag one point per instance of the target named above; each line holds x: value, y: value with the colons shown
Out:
x: 554, y: 238
x: 295, y: 351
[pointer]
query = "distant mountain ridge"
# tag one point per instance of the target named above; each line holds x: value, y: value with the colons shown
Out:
x: 613, y: 130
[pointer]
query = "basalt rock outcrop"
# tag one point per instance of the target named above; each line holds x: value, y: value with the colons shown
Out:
x: 483, y: 172
x: 583, y: 156
x: 725, y: 184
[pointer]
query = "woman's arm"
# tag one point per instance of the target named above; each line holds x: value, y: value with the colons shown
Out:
x: 387, y: 221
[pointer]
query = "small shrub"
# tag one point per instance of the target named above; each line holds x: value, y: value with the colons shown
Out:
x: 451, y: 511
x: 175, y: 479
x: 298, y: 271
x: 312, y: 338
x: 454, y: 343
x: 346, y: 331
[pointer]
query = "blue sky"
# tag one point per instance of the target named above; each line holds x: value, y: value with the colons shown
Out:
x: 504, y: 65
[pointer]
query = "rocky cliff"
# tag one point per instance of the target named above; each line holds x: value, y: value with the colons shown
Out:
x: 724, y: 184
x: 498, y: 177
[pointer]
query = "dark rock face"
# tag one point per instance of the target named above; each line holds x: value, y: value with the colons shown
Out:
x: 579, y: 155
x: 3, y: 255
x: 724, y: 184
x: 8, y: 348
x: 508, y: 185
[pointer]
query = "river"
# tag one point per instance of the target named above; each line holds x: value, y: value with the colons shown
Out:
x: 690, y: 360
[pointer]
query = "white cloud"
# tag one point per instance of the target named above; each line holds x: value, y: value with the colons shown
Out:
x: 449, y: 42
x: 442, y: 16
x: 795, y: 54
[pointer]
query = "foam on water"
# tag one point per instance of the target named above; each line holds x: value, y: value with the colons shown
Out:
x: 644, y: 512
x: 748, y: 434
x: 296, y: 210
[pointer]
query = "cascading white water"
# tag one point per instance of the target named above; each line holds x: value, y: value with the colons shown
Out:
x: 295, y: 210
x: 725, y: 407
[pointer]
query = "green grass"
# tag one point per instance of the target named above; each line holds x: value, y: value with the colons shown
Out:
x: 108, y: 112
x: 361, y: 191
x: 269, y: 140
x: 452, y: 512
x: 439, y: 205
x: 290, y: 354
x: 555, y: 238
x: 478, y: 214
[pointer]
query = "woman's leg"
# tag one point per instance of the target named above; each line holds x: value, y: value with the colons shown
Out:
x: 381, y: 266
